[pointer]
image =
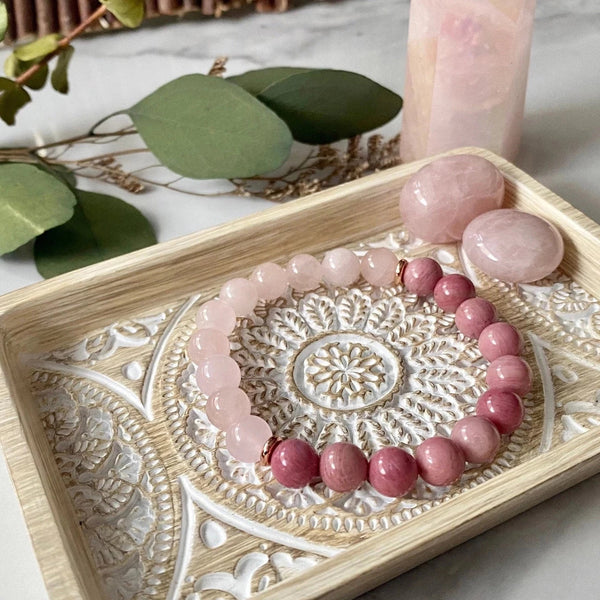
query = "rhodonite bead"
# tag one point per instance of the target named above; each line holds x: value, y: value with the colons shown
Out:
x: 245, y: 439
x: 421, y: 275
x: 207, y: 342
x: 440, y: 461
x: 343, y: 467
x: 227, y: 406
x: 478, y: 439
x: 216, y: 372
x: 216, y: 314
x: 304, y: 272
x: 500, y: 339
x: 504, y: 409
x: 378, y: 266
x: 452, y: 290
x: 392, y: 471
x: 294, y: 463
x: 271, y: 281
x: 473, y: 316
x: 509, y: 373
x: 341, y: 267
x: 240, y: 294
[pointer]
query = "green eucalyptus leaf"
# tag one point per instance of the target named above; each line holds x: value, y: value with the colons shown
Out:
x: 323, y: 106
x: 12, y: 98
x: 39, y: 48
x: 3, y: 20
x: 59, y: 78
x: 31, y: 201
x: 14, y: 67
x: 62, y: 173
x: 256, y: 81
x: 207, y: 128
x: 128, y: 12
x: 102, y: 227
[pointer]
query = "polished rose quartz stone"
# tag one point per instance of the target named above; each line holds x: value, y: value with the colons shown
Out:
x: 452, y: 290
x: 227, y: 406
x: 509, y: 373
x: 392, y: 471
x: 207, y: 342
x: 240, y: 294
x: 343, y: 467
x: 378, y: 267
x: 473, y: 316
x: 246, y: 439
x: 271, y: 281
x: 500, y: 339
x: 513, y: 246
x: 304, y: 272
x: 341, y: 267
x: 478, y: 438
x: 216, y: 372
x: 421, y: 275
x: 216, y: 314
x: 440, y: 200
x: 440, y: 461
x: 504, y: 409
x: 294, y: 463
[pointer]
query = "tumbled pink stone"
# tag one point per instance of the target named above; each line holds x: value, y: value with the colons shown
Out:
x: 216, y: 372
x: 216, y: 314
x: 294, y: 463
x: 207, y: 342
x: 271, y: 281
x: 452, y: 290
x: 473, y: 316
x: 378, y: 266
x: 341, y: 267
x: 246, y: 439
x: 513, y: 246
x: 421, y: 275
x: 304, y: 272
x: 478, y: 439
x: 440, y: 461
x: 509, y: 373
x: 240, y: 294
x: 440, y: 200
x: 343, y: 467
x: 504, y: 409
x: 392, y: 471
x: 500, y: 339
x: 227, y: 406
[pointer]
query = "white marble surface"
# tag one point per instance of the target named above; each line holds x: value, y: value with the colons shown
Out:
x: 550, y: 551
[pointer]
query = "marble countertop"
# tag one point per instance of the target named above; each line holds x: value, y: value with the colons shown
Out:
x: 550, y: 551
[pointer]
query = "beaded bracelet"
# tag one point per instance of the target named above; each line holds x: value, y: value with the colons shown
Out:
x: 342, y: 466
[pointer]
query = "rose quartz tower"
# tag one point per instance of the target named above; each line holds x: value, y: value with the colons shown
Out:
x: 466, y: 75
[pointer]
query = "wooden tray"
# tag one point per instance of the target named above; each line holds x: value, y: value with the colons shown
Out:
x: 127, y: 490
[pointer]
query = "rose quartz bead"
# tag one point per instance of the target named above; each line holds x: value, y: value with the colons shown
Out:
x: 343, y: 467
x: 509, y: 373
x: 421, y: 275
x: 246, y: 439
x: 500, y: 339
x: 378, y: 266
x: 304, y: 272
x: 294, y: 463
x: 227, y: 406
x: 216, y: 372
x: 392, y: 471
x: 452, y: 290
x: 341, y: 267
x: 207, y: 342
x: 440, y: 461
x: 240, y: 294
x: 477, y: 438
x: 504, y: 409
x: 271, y: 281
x: 473, y: 316
x: 216, y: 314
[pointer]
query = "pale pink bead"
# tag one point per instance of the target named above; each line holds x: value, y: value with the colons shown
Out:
x: 509, y: 373
x: 421, y: 275
x: 304, y: 272
x: 500, y: 339
x: 246, y: 439
x: 227, y: 406
x: 216, y: 372
x: 294, y: 463
x: 216, y: 314
x: 473, y: 316
x: 271, y: 281
x: 241, y: 295
x: 478, y: 439
x: 392, y: 471
x: 341, y: 267
x: 504, y: 409
x: 452, y: 290
x: 343, y: 467
x: 378, y: 267
x: 207, y: 342
x: 440, y: 461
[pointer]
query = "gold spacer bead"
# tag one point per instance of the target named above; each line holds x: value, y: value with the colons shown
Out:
x: 400, y: 268
x: 268, y: 448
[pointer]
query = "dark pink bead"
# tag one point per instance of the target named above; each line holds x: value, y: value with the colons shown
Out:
x: 473, y: 316
x: 343, y: 467
x: 440, y: 461
x: 392, y: 471
x: 500, y: 339
x: 294, y: 463
x: 509, y: 373
x: 504, y: 409
x: 421, y: 275
x: 478, y: 439
x: 452, y: 290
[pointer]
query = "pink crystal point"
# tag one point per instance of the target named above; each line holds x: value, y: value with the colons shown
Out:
x: 421, y: 275
x: 392, y: 471
x: 341, y: 267
x: 206, y: 342
x: 478, y: 439
x: 294, y: 463
x: 378, y: 266
x: 500, y: 339
x: 343, y: 467
x: 440, y: 461
x: 304, y: 272
x: 473, y: 316
x: 509, y: 373
x: 246, y: 439
x: 227, y: 406
x: 504, y: 409
x: 216, y: 372
x: 271, y: 281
